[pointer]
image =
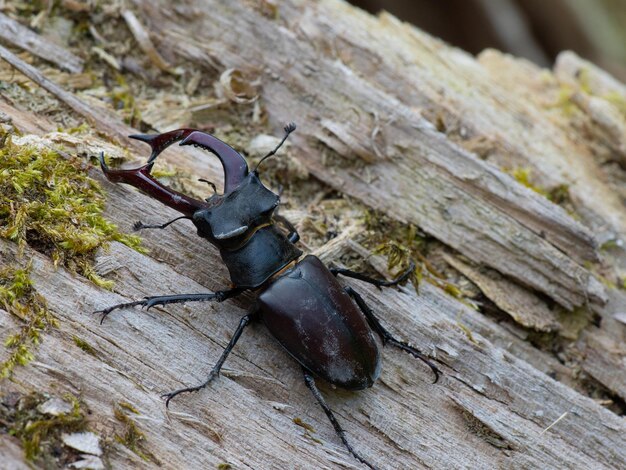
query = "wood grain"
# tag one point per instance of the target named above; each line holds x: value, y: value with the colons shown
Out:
x: 421, y: 132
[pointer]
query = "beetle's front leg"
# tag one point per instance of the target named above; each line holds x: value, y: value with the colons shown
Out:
x: 216, y: 369
x: 293, y: 236
x: 387, y: 337
x: 150, y: 302
x: 139, y: 225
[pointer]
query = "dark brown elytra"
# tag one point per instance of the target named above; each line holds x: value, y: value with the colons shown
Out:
x: 327, y: 328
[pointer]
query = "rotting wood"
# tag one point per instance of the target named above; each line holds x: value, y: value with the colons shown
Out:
x: 488, y: 383
x: 522, y: 305
x: 446, y: 191
x: 449, y: 193
x: 14, y: 33
x: 143, y: 39
x: 100, y: 117
x: 498, y: 406
x: 600, y: 96
x: 107, y: 121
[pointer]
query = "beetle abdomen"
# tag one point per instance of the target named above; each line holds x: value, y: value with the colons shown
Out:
x: 311, y: 315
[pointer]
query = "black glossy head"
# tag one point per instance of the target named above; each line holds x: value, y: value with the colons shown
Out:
x: 233, y: 216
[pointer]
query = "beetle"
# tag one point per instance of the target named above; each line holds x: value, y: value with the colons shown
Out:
x: 328, y: 329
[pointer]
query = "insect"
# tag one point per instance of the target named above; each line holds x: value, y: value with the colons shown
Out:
x: 328, y: 329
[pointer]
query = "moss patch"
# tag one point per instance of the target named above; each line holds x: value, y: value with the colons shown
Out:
x: 308, y: 430
x: 128, y: 407
x: 18, y: 297
x: 39, y: 433
x: 84, y: 345
x: 558, y: 194
x: 132, y: 438
x: 49, y: 203
x: 123, y: 101
x: 400, y: 243
x: 403, y: 244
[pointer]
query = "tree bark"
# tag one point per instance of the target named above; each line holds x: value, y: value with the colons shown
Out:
x: 422, y: 132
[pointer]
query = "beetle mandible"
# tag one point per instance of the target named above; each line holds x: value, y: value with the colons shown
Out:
x: 327, y: 328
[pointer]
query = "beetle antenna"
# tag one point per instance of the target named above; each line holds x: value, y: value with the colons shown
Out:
x: 289, y: 128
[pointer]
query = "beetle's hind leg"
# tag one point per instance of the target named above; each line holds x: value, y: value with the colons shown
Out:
x: 216, y: 369
x: 310, y: 383
x: 377, y: 282
x: 150, y: 302
x: 387, y: 337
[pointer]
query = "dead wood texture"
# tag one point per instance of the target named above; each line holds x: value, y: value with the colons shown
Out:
x: 425, y: 134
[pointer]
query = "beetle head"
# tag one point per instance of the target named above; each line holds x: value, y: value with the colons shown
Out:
x: 246, y: 205
x: 231, y: 217
x: 226, y: 220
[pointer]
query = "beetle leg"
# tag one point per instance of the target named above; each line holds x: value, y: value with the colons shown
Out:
x: 377, y: 282
x: 310, y: 383
x: 150, y: 302
x: 139, y: 225
x: 293, y: 236
x: 245, y: 320
x: 387, y: 337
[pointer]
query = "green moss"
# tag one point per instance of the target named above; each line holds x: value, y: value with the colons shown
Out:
x: 584, y: 80
x: 523, y: 176
x: 558, y: 195
x: 163, y: 173
x: 574, y: 322
x: 465, y: 329
x: 453, y: 290
x: 402, y: 244
x: 82, y: 344
x: 308, y: 430
x: 564, y: 101
x: 128, y: 407
x: 81, y: 129
x: 609, y: 245
x: 123, y: 100
x: 399, y: 243
x: 304, y: 425
x: 132, y: 438
x: 49, y: 203
x: 18, y: 297
x: 224, y: 466
x: 617, y: 100
x: 40, y: 434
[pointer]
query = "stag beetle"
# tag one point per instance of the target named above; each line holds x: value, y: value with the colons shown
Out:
x: 298, y: 298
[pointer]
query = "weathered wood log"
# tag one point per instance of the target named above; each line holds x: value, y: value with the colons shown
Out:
x: 449, y: 193
x: 421, y: 132
x: 14, y: 33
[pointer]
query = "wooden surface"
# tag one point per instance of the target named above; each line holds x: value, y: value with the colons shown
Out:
x: 422, y: 132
